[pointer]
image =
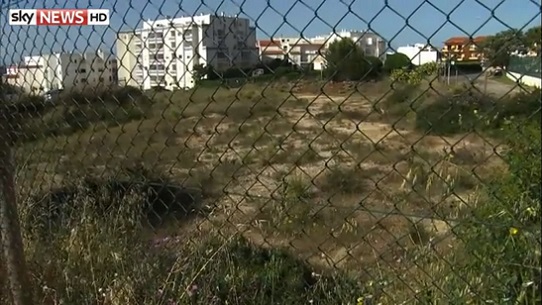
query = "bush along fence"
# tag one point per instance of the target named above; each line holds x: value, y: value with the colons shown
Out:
x: 361, y: 181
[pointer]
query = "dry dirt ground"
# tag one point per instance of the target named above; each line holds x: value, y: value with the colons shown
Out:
x: 307, y: 171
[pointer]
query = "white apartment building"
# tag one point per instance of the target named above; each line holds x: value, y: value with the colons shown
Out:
x: 164, y: 52
x: 41, y: 73
x: 419, y: 53
x: 300, y: 52
x: 309, y: 52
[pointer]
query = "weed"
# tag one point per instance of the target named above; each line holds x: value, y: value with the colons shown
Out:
x: 500, y: 233
x: 347, y: 180
x: 112, y: 259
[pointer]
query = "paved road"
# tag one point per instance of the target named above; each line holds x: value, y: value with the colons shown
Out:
x: 494, y: 87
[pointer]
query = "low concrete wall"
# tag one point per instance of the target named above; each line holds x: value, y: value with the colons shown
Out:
x: 525, y: 79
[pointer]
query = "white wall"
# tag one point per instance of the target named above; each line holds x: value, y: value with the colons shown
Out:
x: 126, y: 49
x: 525, y: 79
x: 39, y: 74
x: 419, y: 54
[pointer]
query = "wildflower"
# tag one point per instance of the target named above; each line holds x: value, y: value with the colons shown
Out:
x: 513, y: 231
x: 359, y: 301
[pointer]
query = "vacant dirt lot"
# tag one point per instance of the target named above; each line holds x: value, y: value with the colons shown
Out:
x: 328, y: 174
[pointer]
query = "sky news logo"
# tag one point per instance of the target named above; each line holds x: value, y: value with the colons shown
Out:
x: 59, y: 17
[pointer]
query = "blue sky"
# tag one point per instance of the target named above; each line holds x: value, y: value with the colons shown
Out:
x: 399, y: 21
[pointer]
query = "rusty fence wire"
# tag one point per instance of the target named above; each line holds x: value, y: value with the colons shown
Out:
x: 221, y: 159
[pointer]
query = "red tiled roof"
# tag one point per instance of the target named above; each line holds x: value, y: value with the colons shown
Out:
x: 269, y: 43
x: 464, y: 40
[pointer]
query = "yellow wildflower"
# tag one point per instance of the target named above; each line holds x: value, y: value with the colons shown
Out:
x: 513, y: 231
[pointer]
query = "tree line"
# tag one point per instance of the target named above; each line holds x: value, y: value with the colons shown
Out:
x: 345, y: 61
x: 498, y: 48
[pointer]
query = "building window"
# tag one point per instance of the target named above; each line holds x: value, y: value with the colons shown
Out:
x: 158, y: 56
x: 370, y: 41
x: 173, y: 44
x: 156, y: 67
x: 156, y: 35
x: 83, y: 80
x: 101, y: 79
x: 82, y: 71
x: 221, y: 55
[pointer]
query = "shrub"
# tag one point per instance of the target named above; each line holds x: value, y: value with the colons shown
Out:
x: 402, y: 94
x: 112, y: 258
x: 470, y: 110
x: 502, y: 236
x: 282, y: 71
x: 522, y: 105
x: 396, y: 61
x: 79, y: 109
x: 400, y: 76
x: 427, y: 68
x: 346, y: 61
x: 414, y: 76
x: 452, y: 114
x: 375, y: 66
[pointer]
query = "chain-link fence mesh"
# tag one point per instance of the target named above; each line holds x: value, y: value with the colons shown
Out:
x: 217, y: 159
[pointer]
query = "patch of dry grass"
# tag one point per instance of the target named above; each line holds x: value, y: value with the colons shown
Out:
x: 342, y: 190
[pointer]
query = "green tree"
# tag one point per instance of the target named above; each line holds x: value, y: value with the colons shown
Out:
x: 375, y: 66
x: 497, y: 48
x: 346, y: 61
x: 533, y: 37
x: 396, y: 61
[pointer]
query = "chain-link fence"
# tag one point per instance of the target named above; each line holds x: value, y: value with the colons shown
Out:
x: 211, y: 159
x: 529, y: 66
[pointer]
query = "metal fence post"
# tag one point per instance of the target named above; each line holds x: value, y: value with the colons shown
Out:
x: 10, y: 233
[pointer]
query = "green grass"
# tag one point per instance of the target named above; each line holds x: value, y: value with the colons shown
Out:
x: 505, y: 80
